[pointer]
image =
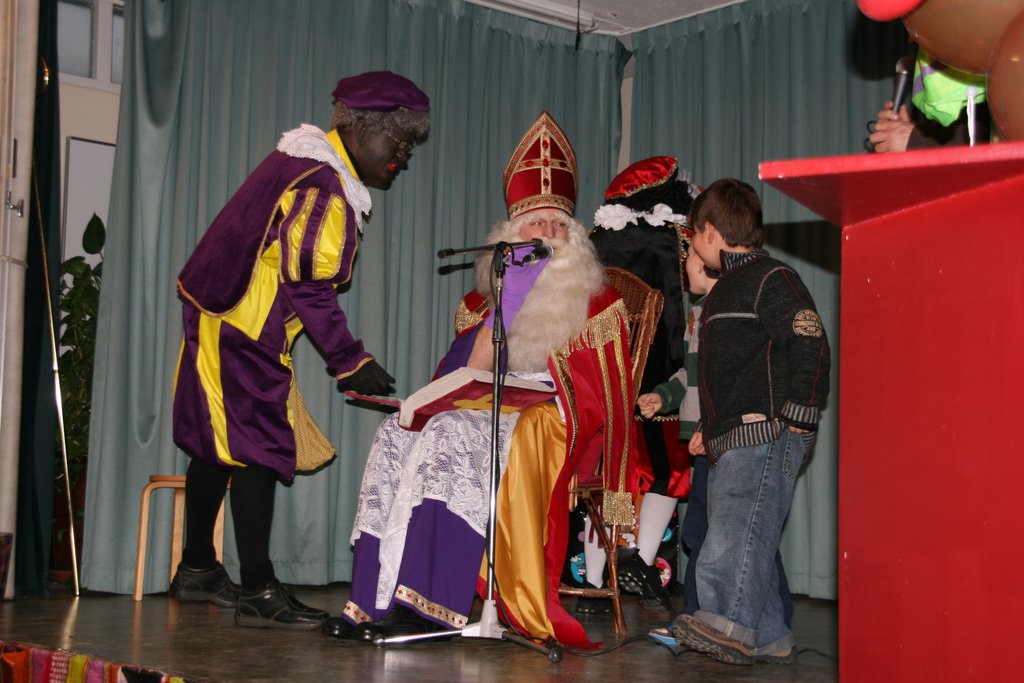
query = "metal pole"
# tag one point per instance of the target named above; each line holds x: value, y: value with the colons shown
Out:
x: 57, y: 396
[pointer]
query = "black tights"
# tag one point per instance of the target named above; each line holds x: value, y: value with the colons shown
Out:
x: 252, y: 509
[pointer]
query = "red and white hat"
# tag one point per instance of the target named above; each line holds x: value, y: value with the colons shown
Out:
x: 542, y: 171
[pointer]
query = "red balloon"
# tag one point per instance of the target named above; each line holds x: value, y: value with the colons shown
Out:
x: 961, y: 33
x: 886, y: 10
x: 1005, y: 81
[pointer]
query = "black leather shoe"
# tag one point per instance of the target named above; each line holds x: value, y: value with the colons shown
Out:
x: 636, y: 576
x: 585, y: 605
x: 275, y: 607
x: 204, y: 585
x: 312, y: 612
x: 400, y: 621
x: 338, y: 627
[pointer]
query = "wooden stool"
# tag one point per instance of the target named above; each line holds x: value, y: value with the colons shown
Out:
x: 176, y: 482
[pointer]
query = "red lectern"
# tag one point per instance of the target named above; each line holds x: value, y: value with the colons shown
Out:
x: 931, y: 407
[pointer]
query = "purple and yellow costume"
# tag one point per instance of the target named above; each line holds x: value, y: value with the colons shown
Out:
x: 266, y: 269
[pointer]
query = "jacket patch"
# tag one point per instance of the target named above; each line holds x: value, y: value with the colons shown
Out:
x: 806, y: 323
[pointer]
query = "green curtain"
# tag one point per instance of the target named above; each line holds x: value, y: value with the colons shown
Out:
x: 764, y: 80
x: 208, y: 88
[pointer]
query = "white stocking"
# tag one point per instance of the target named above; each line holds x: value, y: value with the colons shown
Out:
x: 593, y: 554
x: 655, y: 514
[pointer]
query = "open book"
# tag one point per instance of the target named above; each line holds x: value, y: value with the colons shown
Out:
x: 462, y: 389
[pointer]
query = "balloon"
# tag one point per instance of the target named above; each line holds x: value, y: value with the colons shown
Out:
x: 886, y: 10
x: 961, y: 33
x: 1005, y: 80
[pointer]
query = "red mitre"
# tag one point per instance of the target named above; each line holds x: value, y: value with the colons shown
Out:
x: 542, y: 171
x: 640, y: 176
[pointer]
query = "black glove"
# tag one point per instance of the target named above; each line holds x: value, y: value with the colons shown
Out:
x: 371, y: 379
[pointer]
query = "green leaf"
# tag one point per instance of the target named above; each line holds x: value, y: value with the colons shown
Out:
x: 95, y: 236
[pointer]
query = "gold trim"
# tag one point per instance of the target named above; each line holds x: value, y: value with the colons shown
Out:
x: 355, y: 612
x: 627, y: 405
x: 356, y: 368
x: 601, y: 328
x: 609, y: 414
x: 428, y: 608
x: 656, y: 418
x: 465, y: 318
x: 560, y: 362
x: 617, y: 508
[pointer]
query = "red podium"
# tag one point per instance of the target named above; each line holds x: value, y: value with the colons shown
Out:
x: 931, y: 407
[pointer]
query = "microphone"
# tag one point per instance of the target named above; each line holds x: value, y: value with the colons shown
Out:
x: 540, y: 251
x: 495, y: 246
x: 904, y: 76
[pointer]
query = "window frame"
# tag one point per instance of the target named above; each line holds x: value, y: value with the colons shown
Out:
x: 102, y: 32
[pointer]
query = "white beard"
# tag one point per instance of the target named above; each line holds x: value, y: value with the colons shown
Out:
x: 556, y: 308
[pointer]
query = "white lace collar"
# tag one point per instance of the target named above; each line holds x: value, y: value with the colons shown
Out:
x: 309, y: 142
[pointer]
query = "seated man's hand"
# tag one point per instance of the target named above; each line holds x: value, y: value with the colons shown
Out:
x: 649, y: 404
x: 371, y: 379
x: 519, y: 280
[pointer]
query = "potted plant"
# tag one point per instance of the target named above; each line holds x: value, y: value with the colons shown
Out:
x: 79, y: 303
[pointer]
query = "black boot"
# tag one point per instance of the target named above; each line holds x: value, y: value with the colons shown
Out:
x: 204, y: 585
x: 636, y: 576
x: 585, y: 605
x: 276, y: 607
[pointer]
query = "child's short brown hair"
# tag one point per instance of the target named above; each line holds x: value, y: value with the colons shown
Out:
x: 734, y: 208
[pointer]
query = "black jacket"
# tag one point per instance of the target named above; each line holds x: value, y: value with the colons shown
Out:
x: 763, y: 354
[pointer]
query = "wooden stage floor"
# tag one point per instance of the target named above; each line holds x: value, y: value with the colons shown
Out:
x: 201, y: 643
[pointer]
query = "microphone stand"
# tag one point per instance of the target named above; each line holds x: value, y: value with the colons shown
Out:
x: 489, y: 626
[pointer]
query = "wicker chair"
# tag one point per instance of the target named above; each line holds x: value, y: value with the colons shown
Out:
x: 644, y: 305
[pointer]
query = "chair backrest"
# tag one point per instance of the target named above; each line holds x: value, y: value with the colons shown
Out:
x: 643, y: 304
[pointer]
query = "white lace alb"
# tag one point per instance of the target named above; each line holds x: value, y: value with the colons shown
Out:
x: 448, y: 461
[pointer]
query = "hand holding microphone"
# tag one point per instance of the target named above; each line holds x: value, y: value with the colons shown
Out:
x: 890, y: 131
x: 524, y: 268
x: 525, y: 255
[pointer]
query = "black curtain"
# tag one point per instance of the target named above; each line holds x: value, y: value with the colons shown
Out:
x: 38, y: 407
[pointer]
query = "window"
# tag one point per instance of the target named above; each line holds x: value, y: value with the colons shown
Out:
x: 90, y: 36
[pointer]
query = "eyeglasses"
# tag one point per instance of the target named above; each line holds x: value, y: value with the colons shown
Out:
x: 404, y: 148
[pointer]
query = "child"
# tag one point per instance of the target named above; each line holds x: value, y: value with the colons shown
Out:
x: 763, y: 376
x: 679, y: 393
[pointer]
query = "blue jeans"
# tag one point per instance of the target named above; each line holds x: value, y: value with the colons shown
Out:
x: 750, y: 490
x: 693, y: 530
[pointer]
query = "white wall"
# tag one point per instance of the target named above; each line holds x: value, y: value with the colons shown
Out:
x: 86, y: 113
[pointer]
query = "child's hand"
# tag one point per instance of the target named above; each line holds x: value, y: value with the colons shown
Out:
x: 696, y: 445
x: 649, y: 404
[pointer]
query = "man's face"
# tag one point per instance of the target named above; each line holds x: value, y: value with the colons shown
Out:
x: 382, y: 156
x: 548, y: 225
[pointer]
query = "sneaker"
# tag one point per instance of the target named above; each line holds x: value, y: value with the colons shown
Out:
x: 276, y: 607
x: 704, y: 638
x: 211, y: 585
x: 636, y: 576
x: 663, y: 636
